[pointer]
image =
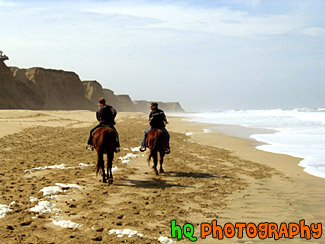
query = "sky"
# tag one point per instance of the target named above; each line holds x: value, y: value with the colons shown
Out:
x: 208, y: 55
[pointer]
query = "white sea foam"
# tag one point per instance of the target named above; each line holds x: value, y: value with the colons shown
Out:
x: 299, y: 132
x: 56, y: 166
x: 51, y: 190
x: 121, y: 233
x: 135, y: 149
x: 165, y: 240
x: 33, y: 199
x: 131, y: 233
x: 127, y: 158
x: 42, y: 207
x: 4, y: 209
x: 114, y: 168
x: 68, y: 185
x: 207, y: 130
x: 59, y: 187
x: 189, y: 133
x: 66, y: 224
x: 84, y: 165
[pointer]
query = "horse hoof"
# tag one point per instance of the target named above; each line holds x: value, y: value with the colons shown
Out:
x: 161, y: 171
x: 110, y: 182
x: 104, y: 181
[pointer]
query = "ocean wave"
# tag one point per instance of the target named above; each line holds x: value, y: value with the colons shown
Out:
x: 300, y: 131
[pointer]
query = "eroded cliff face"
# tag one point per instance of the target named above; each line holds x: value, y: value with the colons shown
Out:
x: 15, y: 94
x: 125, y: 103
x: 93, y: 90
x: 39, y: 88
x: 111, y: 99
x: 142, y: 106
x: 59, y: 89
x: 170, y: 107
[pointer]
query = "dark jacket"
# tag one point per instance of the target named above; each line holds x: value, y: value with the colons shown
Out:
x: 157, y: 118
x: 106, y: 115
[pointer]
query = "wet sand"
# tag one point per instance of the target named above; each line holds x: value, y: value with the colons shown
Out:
x: 288, y: 196
x: 207, y: 176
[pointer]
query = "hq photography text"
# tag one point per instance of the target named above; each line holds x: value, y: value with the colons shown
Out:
x: 262, y: 230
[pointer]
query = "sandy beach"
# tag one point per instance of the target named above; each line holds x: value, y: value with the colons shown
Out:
x: 49, y: 191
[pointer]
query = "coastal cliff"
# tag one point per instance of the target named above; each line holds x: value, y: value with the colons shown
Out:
x: 126, y: 103
x: 40, y: 88
x: 58, y: 89
x: 171, y: 107
x: 15, y: 94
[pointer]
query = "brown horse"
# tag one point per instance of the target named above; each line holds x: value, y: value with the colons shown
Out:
x: 104, y: 139
x: 157, y: 142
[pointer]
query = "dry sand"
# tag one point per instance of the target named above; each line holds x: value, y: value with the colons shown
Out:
x: 203, y: 182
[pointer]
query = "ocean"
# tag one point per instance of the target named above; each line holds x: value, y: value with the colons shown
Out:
x: 298, y: 132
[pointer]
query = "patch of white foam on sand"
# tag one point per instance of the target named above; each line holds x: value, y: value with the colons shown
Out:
x: 42, y: 207
x: 127, y: 158
x: 165, y: 240
x: 51, y: 190
x: 66, y: 224
x: 4, y: 209
x: 131, y: 233
x: 59, y: 187
x: 128, y: 232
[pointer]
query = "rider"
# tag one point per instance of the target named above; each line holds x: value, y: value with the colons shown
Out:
x: 157, y: 119
x: 105, y: 115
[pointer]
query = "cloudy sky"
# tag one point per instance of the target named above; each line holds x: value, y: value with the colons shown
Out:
x: 208, y: 55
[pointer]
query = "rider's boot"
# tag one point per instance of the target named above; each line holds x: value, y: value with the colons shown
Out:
x: 90, y: 147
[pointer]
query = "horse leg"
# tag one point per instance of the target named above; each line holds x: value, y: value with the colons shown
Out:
x: 109, y: 167
x: 162, y: 154
x: 100, y: 164
x: 155, y: 161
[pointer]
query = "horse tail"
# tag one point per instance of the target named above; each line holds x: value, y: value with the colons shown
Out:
x: 154, y: 147
x: 100, y: 160
x: 102, y: 144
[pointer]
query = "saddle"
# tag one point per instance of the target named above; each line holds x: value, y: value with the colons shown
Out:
x: 104, y: 125
x: 158, y: 128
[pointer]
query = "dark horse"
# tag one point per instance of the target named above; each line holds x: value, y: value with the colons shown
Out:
x: 157, y: 142
x: 104, y: 139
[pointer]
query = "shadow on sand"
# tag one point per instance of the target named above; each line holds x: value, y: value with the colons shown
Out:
x: 158, y: 183
x: 153, y: 183
x: 190, y: 174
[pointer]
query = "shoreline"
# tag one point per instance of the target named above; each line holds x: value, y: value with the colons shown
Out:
x: 293, y: 134
x: 208, y: 176
x: 234, y: 138
x: 291, y: 181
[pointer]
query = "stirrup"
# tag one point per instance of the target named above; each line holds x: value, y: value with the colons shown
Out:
x: 167, y: 151
x: 142, y: 148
